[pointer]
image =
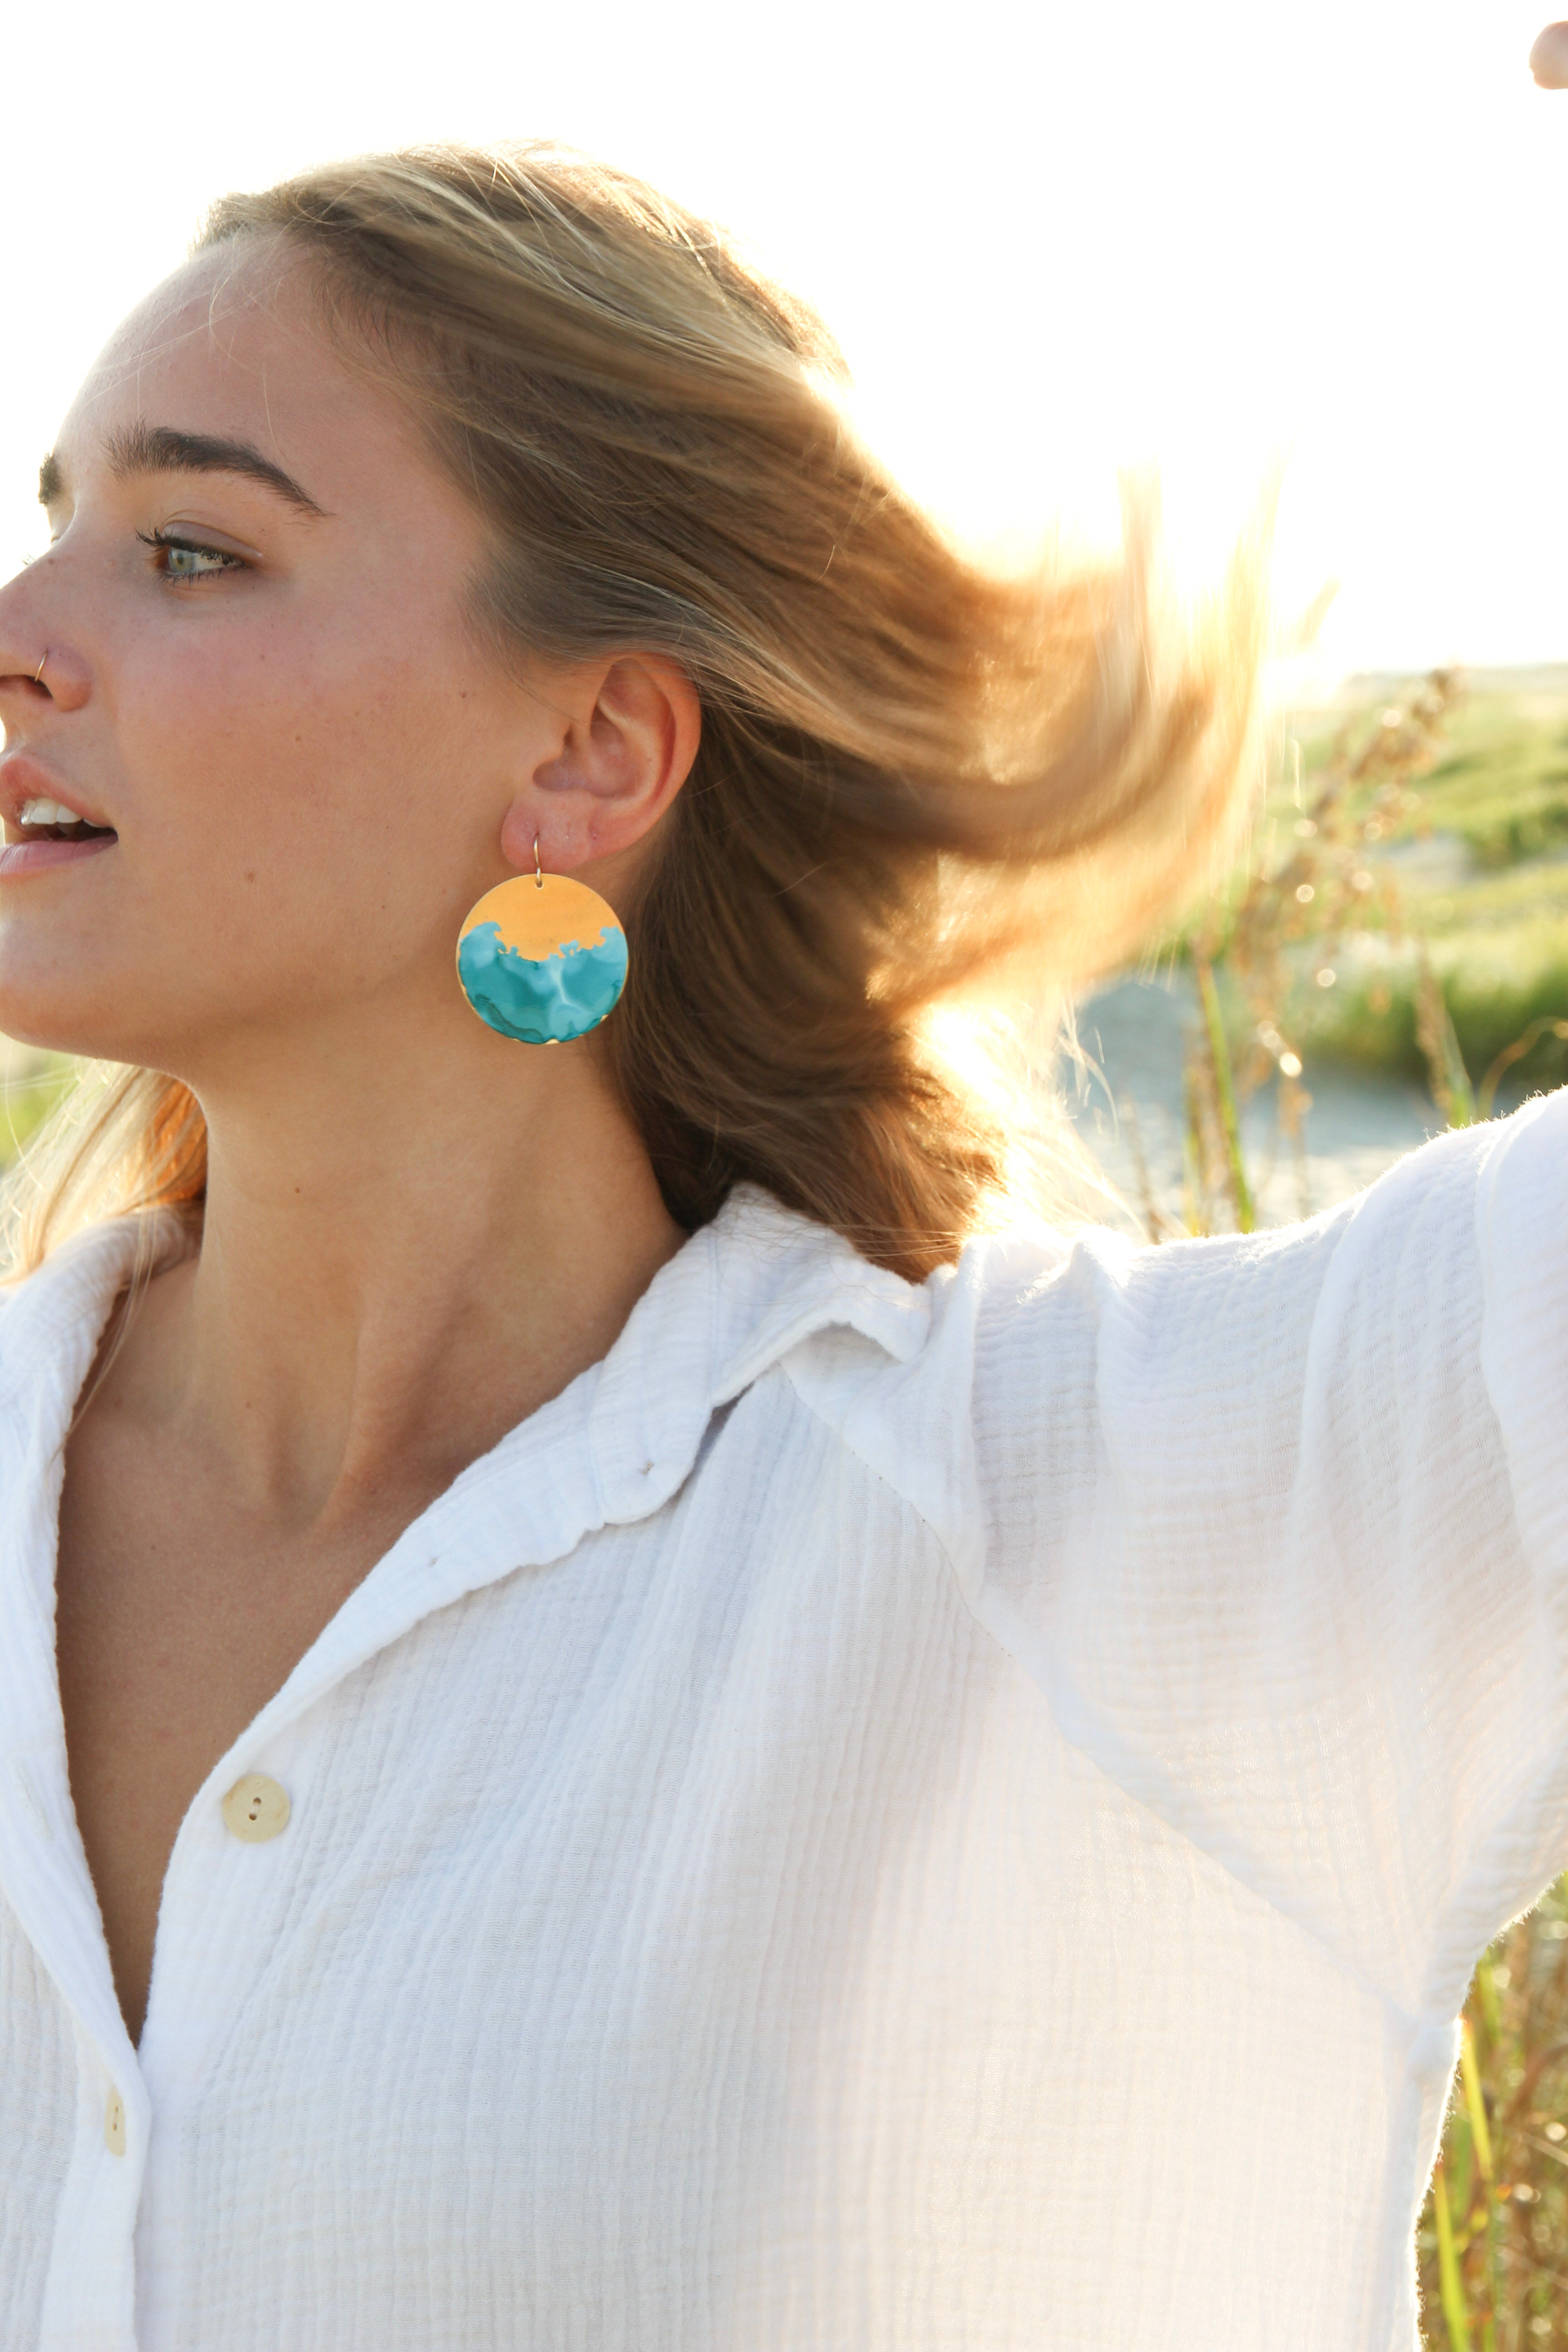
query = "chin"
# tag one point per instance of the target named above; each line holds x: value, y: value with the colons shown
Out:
x: 64, y: 1013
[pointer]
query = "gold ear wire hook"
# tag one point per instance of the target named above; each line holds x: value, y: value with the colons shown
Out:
x: 39, y: 673
x: 538, y: 870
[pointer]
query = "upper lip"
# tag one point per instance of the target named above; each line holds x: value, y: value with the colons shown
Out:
x: 23, y: 779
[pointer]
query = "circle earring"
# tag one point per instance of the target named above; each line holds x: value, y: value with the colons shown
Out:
x: 541, y: 957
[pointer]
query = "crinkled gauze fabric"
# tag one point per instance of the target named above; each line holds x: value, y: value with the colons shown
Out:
x: 950, y: 1819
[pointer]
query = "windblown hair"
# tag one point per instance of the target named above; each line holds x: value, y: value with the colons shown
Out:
x: 915, y: 772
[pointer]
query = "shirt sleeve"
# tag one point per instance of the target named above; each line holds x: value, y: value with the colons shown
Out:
x: 1279, y: 1526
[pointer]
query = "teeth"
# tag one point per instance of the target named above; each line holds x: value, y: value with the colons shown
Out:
x: 47, y: 813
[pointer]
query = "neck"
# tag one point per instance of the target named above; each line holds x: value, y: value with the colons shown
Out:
x: 399, y: 1262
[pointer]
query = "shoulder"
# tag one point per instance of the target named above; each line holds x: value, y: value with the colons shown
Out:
x: 1041, y: 1291
x: 1046, y: 1358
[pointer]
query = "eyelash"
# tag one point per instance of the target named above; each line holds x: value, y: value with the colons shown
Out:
x: 180, y: 542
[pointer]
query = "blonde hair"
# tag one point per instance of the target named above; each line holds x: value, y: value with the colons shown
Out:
x: 913, y: 769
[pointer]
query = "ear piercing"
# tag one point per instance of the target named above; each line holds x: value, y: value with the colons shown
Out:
x: 39, y: 673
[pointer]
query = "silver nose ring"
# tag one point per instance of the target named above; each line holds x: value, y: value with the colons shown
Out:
x: 39, y: 673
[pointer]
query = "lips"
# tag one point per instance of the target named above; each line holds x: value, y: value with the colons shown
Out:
x: 21, y: 857
x: 44, y: 824
x: 27, y: 788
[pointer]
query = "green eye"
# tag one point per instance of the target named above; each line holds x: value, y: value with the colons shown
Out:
x: 188, y: 563
x: 188, y: 558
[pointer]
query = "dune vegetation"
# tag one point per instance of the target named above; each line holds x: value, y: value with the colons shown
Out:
x: 1402, y: 910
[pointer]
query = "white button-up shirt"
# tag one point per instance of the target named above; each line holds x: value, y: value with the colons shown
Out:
x: 882, y: 1817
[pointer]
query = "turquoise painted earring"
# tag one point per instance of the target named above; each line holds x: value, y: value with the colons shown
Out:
x: 541, y: 957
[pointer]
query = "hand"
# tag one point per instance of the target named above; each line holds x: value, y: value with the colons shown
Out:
x: 1548, y: 57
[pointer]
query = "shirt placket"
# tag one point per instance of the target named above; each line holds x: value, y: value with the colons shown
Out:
x: 89, y: 2288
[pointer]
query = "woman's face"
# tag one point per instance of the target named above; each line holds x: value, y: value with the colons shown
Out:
x: 257, y: 687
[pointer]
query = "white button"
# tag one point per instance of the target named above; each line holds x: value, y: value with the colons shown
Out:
x: 256, y: 1809
x: 114, y: 2124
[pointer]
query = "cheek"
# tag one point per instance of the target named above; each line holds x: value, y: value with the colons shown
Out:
x: 277, y: 852
x: 287, y: 813
x: 316, y: 783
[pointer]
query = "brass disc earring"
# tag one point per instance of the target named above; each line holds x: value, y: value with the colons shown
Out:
x: 541, y: 957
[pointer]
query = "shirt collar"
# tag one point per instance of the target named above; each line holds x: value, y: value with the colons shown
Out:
x: 51, y: 1324
x: 737, y: 1298
x: 611, y: 1449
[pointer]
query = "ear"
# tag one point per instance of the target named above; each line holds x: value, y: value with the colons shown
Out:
x: 631, y: 727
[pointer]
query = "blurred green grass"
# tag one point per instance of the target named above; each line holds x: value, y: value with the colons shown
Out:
x: 1501, y: 782
x: 30, y: 1086
x: 1481, y: 869
x: 1503, y: 786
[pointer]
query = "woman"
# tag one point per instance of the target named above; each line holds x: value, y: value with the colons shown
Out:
x: 621, y: 1732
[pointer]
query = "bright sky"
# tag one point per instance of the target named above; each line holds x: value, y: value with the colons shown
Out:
x: 1053, y: 236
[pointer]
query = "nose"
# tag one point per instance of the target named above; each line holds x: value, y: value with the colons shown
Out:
x: 40, y: 665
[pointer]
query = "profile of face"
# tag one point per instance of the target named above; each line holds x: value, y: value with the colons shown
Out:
x: 270, y: 764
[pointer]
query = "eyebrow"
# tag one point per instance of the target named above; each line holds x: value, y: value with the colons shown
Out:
x: 165, y: 449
